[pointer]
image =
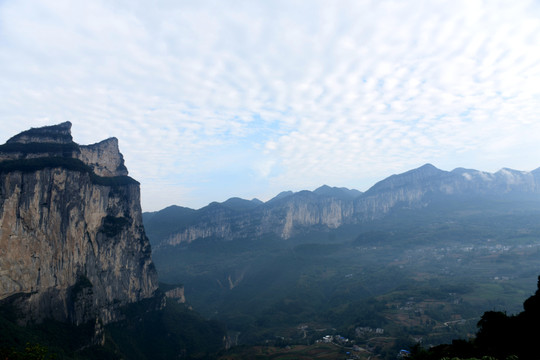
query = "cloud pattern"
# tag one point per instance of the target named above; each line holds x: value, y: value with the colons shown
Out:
x: 213, y: 99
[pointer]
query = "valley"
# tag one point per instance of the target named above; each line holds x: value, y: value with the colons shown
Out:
x: 332, y: 273
x: 381, y: 300
x: 415, y: 275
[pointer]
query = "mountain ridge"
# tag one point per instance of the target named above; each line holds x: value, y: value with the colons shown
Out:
x: 292, y: 213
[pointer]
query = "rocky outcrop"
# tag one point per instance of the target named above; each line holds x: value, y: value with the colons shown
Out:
x: 290, y: 215
x: 176, y: 294
x: 56, y: 134
x: 72, y: 242
x: 104, y: 158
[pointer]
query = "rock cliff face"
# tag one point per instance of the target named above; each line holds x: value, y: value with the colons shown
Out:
x: 176, y: 294
x: 290, y: 214
x: 72, y: 242
x: 419, y: 187
x: 104, y: 158
x: 286, y: 215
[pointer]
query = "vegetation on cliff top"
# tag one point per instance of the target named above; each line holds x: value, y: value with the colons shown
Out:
x: 39, y: 148
x: 35, y: 164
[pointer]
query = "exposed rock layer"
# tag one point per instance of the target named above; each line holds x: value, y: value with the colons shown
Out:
x: 72, y: 243
x: 176, y: 294
x: 290, y: 214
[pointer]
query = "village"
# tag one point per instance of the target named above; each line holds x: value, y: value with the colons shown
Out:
x: 351, y: 349
x: 355, y: 352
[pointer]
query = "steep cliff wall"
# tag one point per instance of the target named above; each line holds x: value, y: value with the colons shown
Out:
x: 290, y: 214
x: 104, y: 158
x: 284, y: 217
x: 72, y: 243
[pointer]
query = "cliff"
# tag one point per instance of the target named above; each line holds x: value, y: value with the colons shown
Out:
x: 72, y: 242
x: 290, y: 214
x: 286, y: 215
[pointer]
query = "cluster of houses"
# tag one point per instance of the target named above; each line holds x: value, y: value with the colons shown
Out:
x: 355, y: 349
x: 336, y: 339
x: 366, y: 330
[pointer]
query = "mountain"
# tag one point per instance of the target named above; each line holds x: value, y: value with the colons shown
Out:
x: 76, y: 276
x: 71, y: 234
x: 292, y: 214
x: 282, y: 216
x: 336, y: 192
x: 419, y: 255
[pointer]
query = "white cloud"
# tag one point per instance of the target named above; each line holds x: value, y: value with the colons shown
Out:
x: 289, y: 94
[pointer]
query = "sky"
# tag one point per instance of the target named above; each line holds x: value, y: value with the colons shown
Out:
x: 217, y: 99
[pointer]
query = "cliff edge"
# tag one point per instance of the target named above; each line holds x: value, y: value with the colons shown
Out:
x: 72, y: 242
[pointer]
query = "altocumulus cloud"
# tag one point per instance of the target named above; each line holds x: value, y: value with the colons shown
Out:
x: 212, y: 99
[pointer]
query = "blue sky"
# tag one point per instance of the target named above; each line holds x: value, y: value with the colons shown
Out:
x: 215, y: 99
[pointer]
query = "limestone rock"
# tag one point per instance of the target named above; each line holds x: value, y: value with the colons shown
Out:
x: 56, y: 134
x: 104, y: 158
x: 72, y: 242
x: 176, y: 294
x: 290, y: 214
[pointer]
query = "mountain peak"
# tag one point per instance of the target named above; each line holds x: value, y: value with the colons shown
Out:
x: 58, y: 134
x: 412, y: 177
x: 427, y: 167
x: 282, y: 195
x: 104, y: 157
x: 240, y: 204
x: 337, y: 192
x: 55, y: 141
x: 426, y: 170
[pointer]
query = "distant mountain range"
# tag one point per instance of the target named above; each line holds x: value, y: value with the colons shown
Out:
x: 293, y: 213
